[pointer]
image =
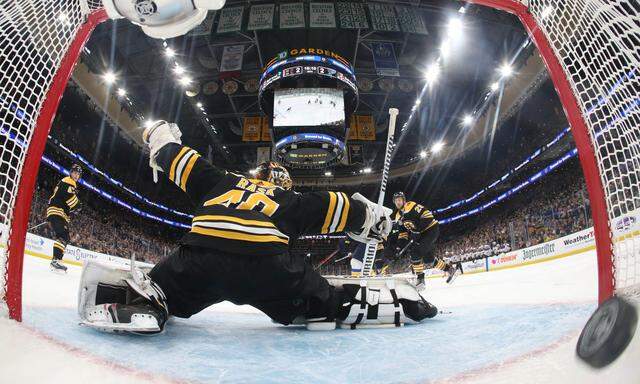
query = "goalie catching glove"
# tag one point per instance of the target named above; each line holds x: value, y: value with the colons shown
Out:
x: 377, y: 224
x: 162, y: 19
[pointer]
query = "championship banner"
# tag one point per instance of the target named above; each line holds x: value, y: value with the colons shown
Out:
x: 261, y: 17
x: 251, y: 128
x: 383, y: 17
x: 384, y: 59
x: 292, y: 16
x: 322, y: 15
x: 366, y: 128
x: 266, y: 132
x: 411, y: 20
x: 232, y: 58
x: 355, y: 154
x: 204, y: 28
x: 230, y: 19
x: 352, y: 15
x: 263, y: 155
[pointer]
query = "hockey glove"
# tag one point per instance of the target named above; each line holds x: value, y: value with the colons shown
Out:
x: 377, y: 224
x: 157, y: 136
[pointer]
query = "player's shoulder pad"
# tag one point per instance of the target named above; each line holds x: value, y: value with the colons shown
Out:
x: 70, y: 181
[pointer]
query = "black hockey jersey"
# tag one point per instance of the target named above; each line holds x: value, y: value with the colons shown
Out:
x: 64, y: 199
x: 421, y: 219
x: 238, y: 214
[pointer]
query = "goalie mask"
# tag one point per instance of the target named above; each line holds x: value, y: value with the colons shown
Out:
x: 274, y: 173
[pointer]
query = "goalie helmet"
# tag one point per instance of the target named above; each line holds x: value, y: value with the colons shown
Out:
x: 274, y: 173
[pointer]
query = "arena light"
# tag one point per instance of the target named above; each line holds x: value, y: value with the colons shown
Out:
x: 423, y: 154
x: 433, y: 72
x: 506, y: 70
x: 328, y: 174
x: 148, y: 123
x: 445, y: 48
x: 109, y: 77
x: 495, y: 86
x: 184, y: 80
x: 178, y: 69
x: 455, y: 28
x: 547, y: 11
x: 467, y: 120
x: 169, y: 52
x: 367, y: 170
x: 122, y: 92
x: 437, y: 147
x: 253, y: 171
x: 199, y: 104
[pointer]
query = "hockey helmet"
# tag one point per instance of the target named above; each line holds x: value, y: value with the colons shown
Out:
x: 274, y: 173
x: 76, y: 168
x: 398, y: 195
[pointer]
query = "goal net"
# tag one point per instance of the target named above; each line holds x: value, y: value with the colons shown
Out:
x: 589, y: 46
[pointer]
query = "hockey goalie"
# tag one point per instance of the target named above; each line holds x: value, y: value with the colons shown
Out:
x: 238, y: 250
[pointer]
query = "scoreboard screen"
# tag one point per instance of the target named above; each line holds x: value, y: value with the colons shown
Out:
x: 308, y: 107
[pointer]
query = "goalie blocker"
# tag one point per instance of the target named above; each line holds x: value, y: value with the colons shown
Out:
x: 120, y: 300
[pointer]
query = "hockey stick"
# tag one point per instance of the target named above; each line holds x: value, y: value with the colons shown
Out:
x: 323, y: 261
x: 342, y: 258
x: 404, y: 249
x: 37, y: 225
x: 370, y: 252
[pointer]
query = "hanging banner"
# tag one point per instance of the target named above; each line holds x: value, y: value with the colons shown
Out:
x: 352, y: 15
x: 355, y: 154
x: 384, y: 59
x: 411, y: 20
x: 366, y: 128
x: 353, y: 128
x: 266, y: 132
x: 230, y: 19
x: 261, y: 17
x: 251, y: 128
x: 292, y: 15
x: 322, y: 15
x: 232, y: 58
x: 263, y: 155
x: 204, y: 28
x: 383, y: 17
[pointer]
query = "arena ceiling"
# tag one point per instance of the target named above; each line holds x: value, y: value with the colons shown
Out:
x: 212, y: 119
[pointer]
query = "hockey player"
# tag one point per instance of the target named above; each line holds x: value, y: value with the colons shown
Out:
x: 63, y: 200
x: 416, y: 233
x: 238, y: 250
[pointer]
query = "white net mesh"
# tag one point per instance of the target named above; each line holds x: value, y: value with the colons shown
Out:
x: 35, y: 35
x: 597, y: 43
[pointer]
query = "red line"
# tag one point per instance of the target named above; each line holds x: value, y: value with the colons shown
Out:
x: 580, y: 131
x: 29, y: 174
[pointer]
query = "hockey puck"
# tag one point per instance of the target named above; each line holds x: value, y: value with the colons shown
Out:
x: 607, y: 333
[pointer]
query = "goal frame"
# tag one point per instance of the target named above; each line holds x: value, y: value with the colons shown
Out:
x: 580, y: 131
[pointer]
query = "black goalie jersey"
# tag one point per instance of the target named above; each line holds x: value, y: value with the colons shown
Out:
x: 64, y: 199
x: 242, y: 215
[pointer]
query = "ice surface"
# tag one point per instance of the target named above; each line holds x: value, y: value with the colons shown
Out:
x: 513, y: 326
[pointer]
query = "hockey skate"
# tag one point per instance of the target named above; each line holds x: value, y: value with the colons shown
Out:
x: 56, y: 266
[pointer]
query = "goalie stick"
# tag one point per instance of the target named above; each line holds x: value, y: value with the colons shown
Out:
x: 370, y: 252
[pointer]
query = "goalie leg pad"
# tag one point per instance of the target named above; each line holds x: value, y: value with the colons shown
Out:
x: 118, y: 299
x: 382, y: 303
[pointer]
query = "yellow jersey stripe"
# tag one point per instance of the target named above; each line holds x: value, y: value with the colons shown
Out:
x: 329, y: 216
x: 434, y: 222
x: 345, y: 214
x: 59, y: 246
x: 187, y: 171
x: 174, y: 163
x: 232, y: 219
x: 69, y: 181
x: 409, y: 206
x: 239, y: 236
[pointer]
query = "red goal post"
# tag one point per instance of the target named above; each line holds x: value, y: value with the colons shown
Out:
x: 587, y: 45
